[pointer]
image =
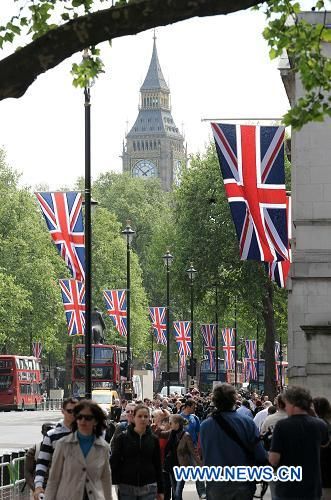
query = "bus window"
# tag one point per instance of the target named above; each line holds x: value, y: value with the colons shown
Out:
x: 103, y: 354
x: 80, y: 355
x: 5, y: 382
x: 25, y: 389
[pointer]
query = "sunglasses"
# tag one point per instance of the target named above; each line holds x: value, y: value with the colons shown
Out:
x: 88, y: 418
x: 70, y: 411
x: 129, y: 411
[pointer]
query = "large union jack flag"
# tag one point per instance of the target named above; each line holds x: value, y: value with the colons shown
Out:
x: 252, y: 165
x: 250, y: 360
x: 279, y: 271
x: 156, y: 362
x: 158, y: 317
x: 182, y: 331
x: 116, y: 308
x: 209, y: 341
x: 64, y: 219
x: 73, y: 296
x: 37, y: 349
x: 228, y: 347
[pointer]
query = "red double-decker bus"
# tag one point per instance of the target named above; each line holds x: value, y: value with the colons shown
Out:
x: 20, y: 382
x: 105, y: 367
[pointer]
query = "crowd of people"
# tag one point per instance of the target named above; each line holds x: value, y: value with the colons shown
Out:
x: 140, y: 443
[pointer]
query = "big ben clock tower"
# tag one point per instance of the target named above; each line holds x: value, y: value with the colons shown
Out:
x: 154, y: 147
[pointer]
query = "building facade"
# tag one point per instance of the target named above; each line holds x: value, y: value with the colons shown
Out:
x: 154, y: 147
x: 309, y: 305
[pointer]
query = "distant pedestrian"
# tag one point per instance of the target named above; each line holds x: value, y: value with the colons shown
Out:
x: 80, y: 467
x: 245, y: 409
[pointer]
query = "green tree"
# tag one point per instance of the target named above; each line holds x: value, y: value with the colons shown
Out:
x: 31, y: 263
x: 148, y: 208
x: 205, y: 234
x: 109, y: 272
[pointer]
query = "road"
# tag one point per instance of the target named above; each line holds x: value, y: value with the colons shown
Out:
x: 20, y: 430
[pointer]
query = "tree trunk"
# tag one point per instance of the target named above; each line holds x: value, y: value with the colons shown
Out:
x: 269, y: 355
x: 68, y: 364
x: 20, y: 69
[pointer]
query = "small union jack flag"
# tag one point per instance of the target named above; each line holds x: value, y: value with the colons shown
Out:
x: 209, y: 339
x: 182, y: 366
x: 228, y: 347
x: 158, y: 317
x: 252, y: 165
x: 36, y: 349
x: 278, y: 271
x: 116, y: 308
x: 156, y: 362
x: 250, y: 360
x: 73, y: 296
x: 64, y: 219
x: 182, y: 331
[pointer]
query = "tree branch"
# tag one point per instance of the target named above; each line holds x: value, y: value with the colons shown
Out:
x: 19, y: 70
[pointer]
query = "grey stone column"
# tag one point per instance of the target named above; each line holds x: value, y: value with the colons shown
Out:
x: 309, y: 307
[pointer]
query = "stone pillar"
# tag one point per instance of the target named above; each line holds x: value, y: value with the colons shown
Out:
x: 309, y: 307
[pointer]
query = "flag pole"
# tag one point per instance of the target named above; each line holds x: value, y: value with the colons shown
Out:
x: 257, y: 354
x: 235, y: 341
x: 216, y: 331
x: 235, y: 118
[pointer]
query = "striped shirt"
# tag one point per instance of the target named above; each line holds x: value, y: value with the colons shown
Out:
x: 46, y: 451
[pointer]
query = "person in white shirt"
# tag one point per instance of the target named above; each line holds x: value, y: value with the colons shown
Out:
x: 262, y: 415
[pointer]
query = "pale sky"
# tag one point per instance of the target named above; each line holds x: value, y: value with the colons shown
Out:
x: 216, y: 67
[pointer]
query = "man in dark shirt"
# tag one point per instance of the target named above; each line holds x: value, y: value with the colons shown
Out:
x: 296, y: 441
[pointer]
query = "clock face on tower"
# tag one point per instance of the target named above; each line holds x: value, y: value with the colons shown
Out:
x: 144, y: 168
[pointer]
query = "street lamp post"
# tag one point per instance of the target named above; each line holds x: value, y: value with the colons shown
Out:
x: 128, y: 234
x: 167, y: 259
x: 88, y: 243
x: 280, y: 362
x: 216, y: 331
x: 192, y: 274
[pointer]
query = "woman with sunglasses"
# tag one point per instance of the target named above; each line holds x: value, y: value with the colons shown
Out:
x: 135, y: 460
x: 80, y: 466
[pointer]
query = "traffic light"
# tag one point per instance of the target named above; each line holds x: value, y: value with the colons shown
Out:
x: 124, y: 368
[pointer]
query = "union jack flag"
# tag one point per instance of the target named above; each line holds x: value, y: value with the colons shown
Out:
x: 252, y: 165
x: 116, y: 308
x: 64, y: 219
x: 250, y: 360
x: 182, y: 366
x: 228, y: 347
x: 73, y: 296
x: 156, y: 362
x: 182, y: 331
x: 36, y: 349
x: 278, y: 271
x: 209, y: 338
x: 158, y: 317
